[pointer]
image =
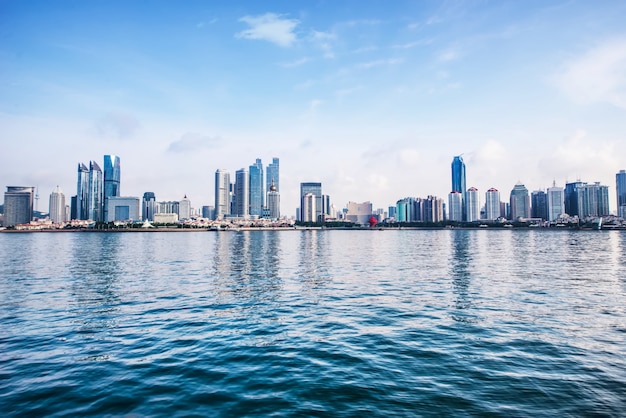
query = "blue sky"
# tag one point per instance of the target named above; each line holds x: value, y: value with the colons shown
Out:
x: 372, y: 99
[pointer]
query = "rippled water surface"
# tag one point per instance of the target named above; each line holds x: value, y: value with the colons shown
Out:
x: 342, y: 323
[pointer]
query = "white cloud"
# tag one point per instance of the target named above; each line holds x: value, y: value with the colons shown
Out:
x: 448, y: 55
x: 323, y: 41
x: 295, y: 63
x: 270, y: 27
x: 191, y: 142
x: 378, y: 63
x: 117, y: 125
x: 599, y: 75
x: 413, y: 44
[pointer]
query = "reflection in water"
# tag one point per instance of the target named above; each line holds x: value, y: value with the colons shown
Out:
x: 313, y: 263
x: 459, y: 268
x: 95, y: 273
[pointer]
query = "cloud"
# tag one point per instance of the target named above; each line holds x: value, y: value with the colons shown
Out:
x: 270, y: 27
x: 599, y: 75
x: 448, y: 55
x: 192, y: 141
x: 117, y: 125
x: 323, y: 41
x: 413, y: 44
x: 295, y: 63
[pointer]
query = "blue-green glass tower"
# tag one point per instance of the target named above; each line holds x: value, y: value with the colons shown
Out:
x: 257, y: 201
x: 458, y: 180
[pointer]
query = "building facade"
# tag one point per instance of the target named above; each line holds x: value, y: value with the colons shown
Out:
x: 184, y: 208
x: 455, y: 206
x: 57, y: 206
x: 148, y: 206
x: 620, y: 187
x: 123, y: 209
x: 222, y: 193
x: 472, y: 205
x: 273, y: 202
x: 111, y: 179
x: 316, y: 190
x: 272, y: 174
x: 359, y: 213
x: 492, y: 204
x: 309, y: 209
x: 520, y: 202
x: 539, y: 205
x: 242, y: 193
x: 458, y: 180
x: 18, y: 205
x: 556, y: 202
x: 257, y: 195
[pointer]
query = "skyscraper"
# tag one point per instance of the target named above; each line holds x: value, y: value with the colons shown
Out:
x: 242, y: 192
x: 18, y: 205
x: 111, y: 179
x: 472, y: 204
x: 257, y: 201
x: 573, y: 199
x: 539, y: 205
x: 520, y: 202
x: 95, y: 204
x: 585, y: 200
x: 458, y: 181
x: 272, y: 174
x: 455, y: 206
x: 81, y: 203
x: 148, y: 207
x: 184, y: 208
x: 273, y: 202
x: 492, y: 204
x: 556, y: 202
x: 222, y: 193
x: 57, y: 206
x: 620, y: 187
x: 309, y: 209
x: 316, y: 190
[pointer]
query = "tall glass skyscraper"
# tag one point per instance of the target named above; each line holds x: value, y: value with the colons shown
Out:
x: 257, y: 201
x: 111, y: 179
x: 620, y: 179
x: 556, y: 202
x: 148, y: 207
x: 492, y: 204
x: 472, y: 204
x: 242, y: 192
x: 458, y: 181
x: 539, y: 205
x: 95, y: 204
x: 272, y: 174
x: 222, y: 193
x: 455, y: 206
x: 79, y: 209
x: 57, y: 206
x: 18, y: 205
x: 316, y: 190
x: 520, y: 202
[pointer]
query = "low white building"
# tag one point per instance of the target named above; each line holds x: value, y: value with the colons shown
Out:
x: 165, y: 218
x: 123, y: 209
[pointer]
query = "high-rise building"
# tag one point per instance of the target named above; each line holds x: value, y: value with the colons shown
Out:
x: 309, y: 210
x: 431, y: 209
x: 403, y: 209
x: 455, y: 206
x: 472, y: 204
x: 273, y: 202
x: 620, y: 187
x: 111, y: 179
x: 492, y: 204
x: 325, y: 206
x: 208, y: 212
x: 148, y: 207
x: 57, y: 206
x: 95, y: 204
x: 556, y: 202
x: 222, y: 193
x: 520, y: 202
x: 18, y: 205
x: 539, y: 205
x: 257, y: 196
x: 272, y: 174
x: 184, y: 208
x: 392, y: 211
x: 458, y: 180
x: 316, y: 190
x: 585, y: 200
x: 81, y: 203
x: 242, y: 192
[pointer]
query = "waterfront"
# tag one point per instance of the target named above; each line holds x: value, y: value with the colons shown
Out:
x: 441, y: 322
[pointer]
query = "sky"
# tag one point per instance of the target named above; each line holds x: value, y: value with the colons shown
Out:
x: 371, y: 98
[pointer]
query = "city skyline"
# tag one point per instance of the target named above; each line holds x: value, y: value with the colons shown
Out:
x: 371, y: 100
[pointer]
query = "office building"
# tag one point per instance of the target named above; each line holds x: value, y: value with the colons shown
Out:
x: 309, y: 210
x: 170, y: 206
x: 620, y: 187
x: 242, y: 193
x: 492, y: 204
x: 586, y: 200
x: 458, y: 180
x: 520, y: 202
x: 273, y: 202
x: 222, y: 193
x: 556, y: 202
x: 148, y: 206
x: 123, y: 209
x: 95, y: 203
x: 57, y: 206
x: 316, y: 190
x: 326, y: 206
x: 272, y: 174
x: 208, y: 212
x: 455, y: 206
x: 111, y: 179
x: 392, y: 211
x: 18, y: 205
x: 472, y: 205
x: 257, y: 195
x: 80, y: 202
x: 404, y: 208
x: 184, y: 209
x: 431, y: 209
x: 539, y: 205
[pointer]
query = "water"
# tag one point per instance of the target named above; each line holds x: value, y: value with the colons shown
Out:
x: 341, y: 323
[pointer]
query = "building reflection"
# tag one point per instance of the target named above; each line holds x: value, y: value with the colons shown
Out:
x: 460, y: 261
x: 313, y: 265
